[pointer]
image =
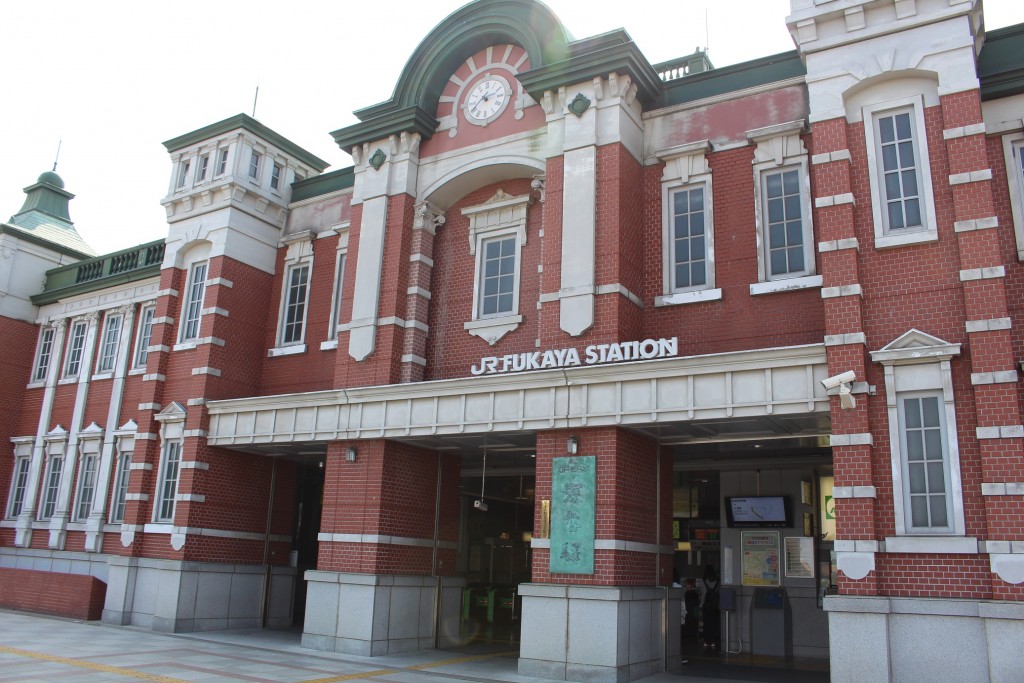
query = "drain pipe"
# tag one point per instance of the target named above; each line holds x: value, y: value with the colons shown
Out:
x: 657, y: 560
x: 433, y: 559
x: 265, y: 600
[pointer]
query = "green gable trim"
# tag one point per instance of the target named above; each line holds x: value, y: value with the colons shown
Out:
x: 250, y: 124
x: 101, y: 272
x: 736, y: 77
x: 613, y: 52
x: 412, y: 120
x: 325, y: 183
x: 15, y: 231
x: 1001, y: 63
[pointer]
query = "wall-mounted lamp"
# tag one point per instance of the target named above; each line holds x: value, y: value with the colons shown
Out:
x: 350, y: 454
x: 572, y: 445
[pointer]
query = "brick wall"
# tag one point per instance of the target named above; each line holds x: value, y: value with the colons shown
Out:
x: 75, y: 596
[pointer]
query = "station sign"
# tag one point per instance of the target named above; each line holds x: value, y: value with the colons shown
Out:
x: 595, y: 354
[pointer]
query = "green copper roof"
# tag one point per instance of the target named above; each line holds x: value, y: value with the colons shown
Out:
x: 1001, y: 63
x: 44, y: 217
x: 250, y: 124
x: 322, y: 184
x: 127, y: 265
x: 761, y: 71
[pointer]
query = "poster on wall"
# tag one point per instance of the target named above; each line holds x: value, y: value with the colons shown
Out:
x: 799, y: 557
x: 827, y: 509
x: 573, y: 498
x: 760, y: 558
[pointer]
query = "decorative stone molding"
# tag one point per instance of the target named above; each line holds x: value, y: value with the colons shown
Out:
x: 427, y: 217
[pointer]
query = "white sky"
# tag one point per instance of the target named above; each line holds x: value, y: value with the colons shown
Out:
x: 114, y: 79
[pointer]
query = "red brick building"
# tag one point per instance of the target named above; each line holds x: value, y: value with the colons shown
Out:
x: 571, y: 325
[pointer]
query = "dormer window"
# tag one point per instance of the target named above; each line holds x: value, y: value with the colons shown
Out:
x: 202, y: 168
x: 254, y: 165
x: 183, y: 173
x: 222, y: 161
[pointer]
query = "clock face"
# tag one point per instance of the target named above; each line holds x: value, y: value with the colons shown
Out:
x: 486, y: 100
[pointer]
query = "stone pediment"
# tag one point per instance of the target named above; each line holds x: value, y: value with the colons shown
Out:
x: 915, y: 346
x: 173, y: 412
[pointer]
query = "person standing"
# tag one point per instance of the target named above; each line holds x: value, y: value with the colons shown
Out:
x: 710, y: 610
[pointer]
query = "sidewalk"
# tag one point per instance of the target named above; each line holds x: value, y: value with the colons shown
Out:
x: 39, y: 648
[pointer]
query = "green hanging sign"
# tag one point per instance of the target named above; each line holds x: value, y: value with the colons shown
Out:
x: 573, y: 504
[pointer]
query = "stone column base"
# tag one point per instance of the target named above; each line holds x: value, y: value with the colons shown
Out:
x: 891, y: 640
x: 598, y: 634
x: 373, y: 615
x: 181, y: 597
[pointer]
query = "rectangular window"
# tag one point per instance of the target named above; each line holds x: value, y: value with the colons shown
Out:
x: 275, y: 177
x: 19, y: 485
x: 294, y: 314
x: 339, y: 280
x: 145, y: 336
x: 52, y: 487
x: 898, y: 160
x: 168, y: 487
x: 43, y: 354
x: 497, y: 276
x: 124, y: 466
x: 86, y: 486
x: 925, y: 465
x: 689, y: 239
x: 222, y: 161
x: 193, y: 306
x: 202, y: 168
x: 784, y: 228
x: 76, y: 345
x: 182, y: 173
x: 254, y: 165
x: 108, y: 347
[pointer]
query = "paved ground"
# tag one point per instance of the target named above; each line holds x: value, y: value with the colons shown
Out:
x: 37, y: 648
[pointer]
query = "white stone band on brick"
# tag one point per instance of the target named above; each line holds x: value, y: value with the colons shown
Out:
x: 853, y: 492
x: 190, y: 498
x: 976, y: 224
x: 194, y: 433
x: 206, y: 370
x: 158, y: 348
x: 167, y: 292
x: 839, y: 245
x: 834, y: 200
x: 419, y: 291
x: 1014, y: 488
x: 156, y: 377
x: 787, y: 285
x: 989, y: 273
x: 1000, y: 377
x: 971, y: 177
x: 377, y: 539
x: 963, y: 131
x: 195, y: 465
x: 827, y: 157
x: 215, y: 311
x: 143, y: 497
x: 843, y: 290
x: 856, y: 545
x: 216, y: 533
x: 862, y: 439
x: 223, y: 282
x: 412, y: 358
x: 150, y: 406
x: 990, y: 325
x: 163, y: 320
x: 1001, y: 432
x: 680, y: 298
x: 422, y: 258
x: 146, y: 436
x: 286, y: 350
x: 144, y: 466
x: 844, y: 339
x: 619, y: 288
x: 215, y: 341
x: 196, y: 402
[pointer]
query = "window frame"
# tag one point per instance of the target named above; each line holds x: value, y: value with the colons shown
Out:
x: 122, y: 478
x: 144, y: 336
x: 44, y: 354
x: 671, y: 254
x: 167, y: 480
x: 110, y: 342
x: 222, y: 162
x: 183, y: 168
x: 337, y: 297
x: 287, y: 304
x: 76, y: 349
x: 195, y: 295
x: 202, y: 167
x: 480, y: 294
x: 17, y: 495
x: 255, y: 164
x: 276, y: 176
x: 928, y: 231
x: 51, y: 486
x: 85, y: 488
x: 806, y: 230
x: 1013, y: 152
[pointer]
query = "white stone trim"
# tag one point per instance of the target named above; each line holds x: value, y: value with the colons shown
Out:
x: 143, y: 497
x: 990, y: 325
x: 493, y: 329
x: 999, y: 377
x: 157, y: 348
x: 1009, y: 488
x: 190, y: 497
x: 785, y: 285
x: 412, y: 358
x: 215, y: 311
x: 422, y: 258
x: 222, y: 281
x: 287, y: 350
x: 196, y: 402
x: 184, y: 346
x: 194, y: 465
x: 213, y: 341
x: 858, y: 545
x: 169, y: 529
x: 619, y: 288
x: 150, y: 406
x: 839, y: 245
x: 963, y: 131
x: 862, y: 439
x: 163, y: 320
x: 193, y: 433
x: 828, y: 157
x: 378, y: 539
x: 841, y: 291
x: 844, y: 339
x: 1013, y: 142
x: 970, y: 177
x: 693, y: 297
x: 146, y: 436
x: 155, y: 377
x: 976, y: 224
x: 834, y: 200
x: 206, y: 370
x: 1001, y: 432
x: 329, y: 345
x: 167, y: 292
x: 845, y: 492
x: 144, y: 466
x: 419, y: 291
x: 990, y: 273
x: 954, y: 545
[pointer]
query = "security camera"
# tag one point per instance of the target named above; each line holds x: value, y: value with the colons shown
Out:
x: 838, y: 380
x: 480, y: 505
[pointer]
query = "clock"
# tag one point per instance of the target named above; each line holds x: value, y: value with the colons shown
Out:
x: 487, y: 100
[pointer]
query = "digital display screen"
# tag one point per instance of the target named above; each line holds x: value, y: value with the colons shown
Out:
x: 757, y: 511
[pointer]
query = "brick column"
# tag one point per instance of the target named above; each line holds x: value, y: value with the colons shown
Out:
x: 845, y: 341
x: 426, y: 220
x: 572, y: 623
x: 993, y: 366
x: 378, y: 550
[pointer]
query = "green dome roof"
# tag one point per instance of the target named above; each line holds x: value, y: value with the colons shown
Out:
x: 51, y: 178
